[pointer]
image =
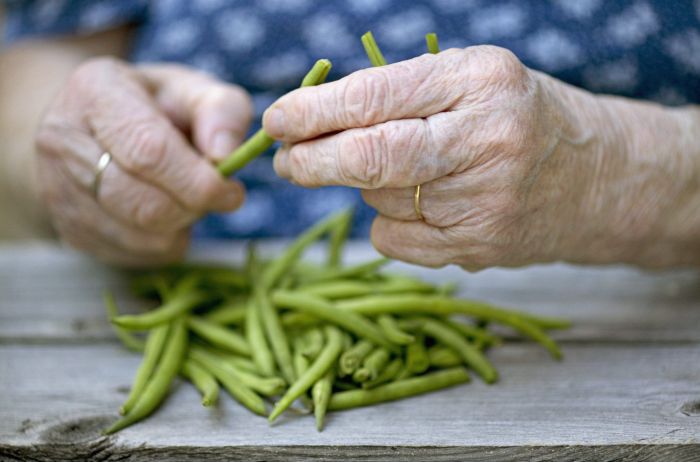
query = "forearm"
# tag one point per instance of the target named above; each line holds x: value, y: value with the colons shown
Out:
x: 32, y: 74
x: 640, y: 163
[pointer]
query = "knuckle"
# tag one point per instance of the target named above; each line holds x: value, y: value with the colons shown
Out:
x: 496, y: 67
x: 86, y: 73
x: 149, y: 147
x: 48, y: 138
x: 152, y: 213
x: 365, y: 97
x: 363, y: 157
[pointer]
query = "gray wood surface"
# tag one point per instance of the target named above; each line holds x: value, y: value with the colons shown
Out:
x: 628, y: 388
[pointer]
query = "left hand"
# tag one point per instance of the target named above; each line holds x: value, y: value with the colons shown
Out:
x: 505, y: 166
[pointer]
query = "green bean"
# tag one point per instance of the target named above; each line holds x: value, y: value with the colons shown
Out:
x: 157, y: 387
x: 431, y: 41
x: 471, y: 355
x: 352, y: 358
x: 244, y: 364
x: 477, y: 334
x: 318, y: 368
x: 128, y: 339
x: 417, y: 360
x: 240, y: 392
x: 173, y: 307
x: 442, y: 357
x: 255, y: 335
x: 261, y: 141
x: 267, y: 386
x: 300, y: 362
x: 321, y: 395
x: 388, y: 374
x: 357, y: 324
x: 202, y: 380
x: 349, y: 272
x: 313, y: 343
x: 397, y: 390
x: 231, y: 312
x: 372, y: 49
x: 372, y: 366
x: 391, y: 330
x: 347, y: 288
x: 219, y: 335
x: 528, y: 325
x: 152, y: 352
x: 275, y: 335
x: 281, y: 265
x: 338, y: 236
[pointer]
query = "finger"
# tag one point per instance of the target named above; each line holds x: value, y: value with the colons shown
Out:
x: 125, y: 121
x: 412, y: 241
x: 444, y: 202
x: 76, y: 213
x: 218, y: 114
x: 122, y: 195
x: 392, y: 154
x: 418, y: 87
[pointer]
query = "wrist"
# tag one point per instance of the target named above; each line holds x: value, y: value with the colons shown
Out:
x: 642, y: 198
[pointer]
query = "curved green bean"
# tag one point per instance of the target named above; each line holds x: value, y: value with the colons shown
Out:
x: 528, y: 325
x: 352, y: 358
x: 202, y: 380
x: 152, y: 352
x: 255, y: 335
x: 128, y: 339
x: 175, y: 306
x: 233, y: 312
x: 219, y: 336
x: 417, y: 360
x: 471, y: 355
x: 391, y: 330
x: 442, y: 357
x: 388, y: 374
x: 240, y: 392
x: 158, y: 386
x: 321, y: 365
x: 372, y: 366
x: 357, y: 324
x: 321, y: 395
x: 400, y: 389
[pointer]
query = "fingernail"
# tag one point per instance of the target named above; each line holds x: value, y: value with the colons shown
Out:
x: 281, y: 163
x: 273, y: 121
x: 222, y: 143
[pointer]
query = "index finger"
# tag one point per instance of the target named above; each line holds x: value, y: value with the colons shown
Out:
x: 415, y: 88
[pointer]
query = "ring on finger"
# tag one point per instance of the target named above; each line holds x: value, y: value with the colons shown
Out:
x: 416, y: 203
x: 102, y: 164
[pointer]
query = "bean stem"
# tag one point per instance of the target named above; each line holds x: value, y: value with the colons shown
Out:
x: 376, y: 58
x: 260, y: 142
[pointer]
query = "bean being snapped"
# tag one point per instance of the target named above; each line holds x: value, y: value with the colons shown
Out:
x: 327, y: 335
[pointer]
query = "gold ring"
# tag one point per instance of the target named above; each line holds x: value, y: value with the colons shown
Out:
x: 416, y: 203
x: 102, y: 164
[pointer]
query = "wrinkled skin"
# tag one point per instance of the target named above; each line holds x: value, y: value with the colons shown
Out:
x: 158, y: 182
x: 515, y: 167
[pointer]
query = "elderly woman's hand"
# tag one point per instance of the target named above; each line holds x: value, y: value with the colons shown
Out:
x: 158, y: 182
x: 514, y: 167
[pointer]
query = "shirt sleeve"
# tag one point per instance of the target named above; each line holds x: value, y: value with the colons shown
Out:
x: 45, y: 18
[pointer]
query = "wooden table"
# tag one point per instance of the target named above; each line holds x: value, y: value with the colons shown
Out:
x: 628, y: 389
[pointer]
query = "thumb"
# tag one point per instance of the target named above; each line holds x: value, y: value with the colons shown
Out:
x: 216, y: 114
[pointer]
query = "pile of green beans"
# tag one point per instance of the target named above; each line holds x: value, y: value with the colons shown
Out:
x: 285, y: 334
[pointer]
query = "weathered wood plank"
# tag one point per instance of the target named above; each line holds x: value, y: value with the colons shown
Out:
x: 602, y: 399
x: 50, y: 294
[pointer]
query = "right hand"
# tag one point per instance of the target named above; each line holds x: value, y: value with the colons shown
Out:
x: 157, y: 183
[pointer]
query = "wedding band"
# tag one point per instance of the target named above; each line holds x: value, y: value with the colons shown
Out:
x: 102, y: 164
x: 416, y: 203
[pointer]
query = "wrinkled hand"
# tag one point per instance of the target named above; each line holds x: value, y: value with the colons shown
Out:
x: 490, y: 141
x: 157, y: 183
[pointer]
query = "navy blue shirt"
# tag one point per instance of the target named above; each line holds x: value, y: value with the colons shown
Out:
x: 635, y: 48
